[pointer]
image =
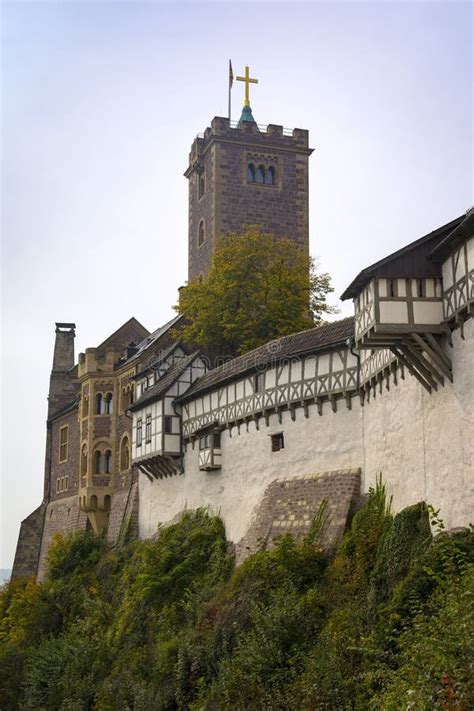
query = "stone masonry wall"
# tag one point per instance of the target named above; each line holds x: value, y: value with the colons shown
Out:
x: 289, y: 506
x: 29, y: 544
x: 62, y: 516
x: 230, y: 202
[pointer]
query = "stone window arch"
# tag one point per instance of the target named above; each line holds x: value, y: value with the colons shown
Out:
x: 260, y: 174
x: 125, y: 454
x: 251, y: 173
x: 84, y: 460
x: 201, y: 186
x: 98, y: 462
x: 99, y: 404
x: 108, y: 462
x: 85, y: 405
x: 93, y: 502
x: 270, y: 176
x: 127, y: 397
x: 108, y: 404
x: 201, y: 234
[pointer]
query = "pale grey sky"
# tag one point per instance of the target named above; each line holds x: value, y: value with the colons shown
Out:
x: 100, y: 104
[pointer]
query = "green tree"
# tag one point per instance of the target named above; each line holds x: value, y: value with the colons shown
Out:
x: 259, y: 288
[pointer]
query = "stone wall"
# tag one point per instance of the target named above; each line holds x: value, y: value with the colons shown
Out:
x: 290, y: 505
x: 62, y: 516
x: 123, y: 513
x: 29, y: 544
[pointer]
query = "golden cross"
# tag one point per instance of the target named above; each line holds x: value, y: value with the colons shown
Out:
x: 247, y: 81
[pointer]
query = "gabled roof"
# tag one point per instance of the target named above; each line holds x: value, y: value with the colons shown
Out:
x: 409, y: 261
x: 165, y: 382
x: 322, y: 338
x: 131, y: 330
x: 464, y: 230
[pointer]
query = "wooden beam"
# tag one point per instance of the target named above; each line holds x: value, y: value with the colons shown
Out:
x: 348, y: 401
x: 437, y: 348
x: 423, y: 363
x: 305, y: 408
x: 441, y: 363
x: 333, y: 401
x: 319, y: 403
x: 411, y: 369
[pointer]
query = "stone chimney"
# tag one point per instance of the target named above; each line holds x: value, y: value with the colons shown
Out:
x: 62, y: 386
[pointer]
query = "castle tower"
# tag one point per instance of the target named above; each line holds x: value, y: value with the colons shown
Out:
x: 244, y: 174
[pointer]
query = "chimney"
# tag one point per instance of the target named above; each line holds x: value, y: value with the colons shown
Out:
x: 64, y: 346
x: 63, y: 387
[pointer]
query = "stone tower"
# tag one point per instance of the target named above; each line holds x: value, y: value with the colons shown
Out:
x: 243, y: 175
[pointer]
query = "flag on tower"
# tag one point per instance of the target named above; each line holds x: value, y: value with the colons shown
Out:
x: 231, y: 75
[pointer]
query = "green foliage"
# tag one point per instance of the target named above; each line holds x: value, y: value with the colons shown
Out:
x: 258, y: 288
x: 386, y: 621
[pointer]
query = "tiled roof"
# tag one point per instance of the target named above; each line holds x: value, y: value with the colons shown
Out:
x: 165, y: 382
x: 297, y: 344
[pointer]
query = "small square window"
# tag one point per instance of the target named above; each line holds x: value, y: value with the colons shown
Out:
x: 216, y: 440
x: 278, y: 442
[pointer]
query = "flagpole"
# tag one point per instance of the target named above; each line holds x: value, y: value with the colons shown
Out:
x: 231, y: 79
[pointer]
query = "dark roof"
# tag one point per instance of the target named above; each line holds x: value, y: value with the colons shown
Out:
x: 155, y: 360
x: 164, y: 383
x: 65, y: 409
x: 322, y: 338
x: 409, y: 261
x: 462, y: 231
x: 152, y: 338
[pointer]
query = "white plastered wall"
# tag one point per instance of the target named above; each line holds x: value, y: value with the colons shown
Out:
x: 422, y: 444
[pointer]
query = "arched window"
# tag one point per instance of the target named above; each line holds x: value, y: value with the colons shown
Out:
x: 124, y: 454
x: 98, y: 404
x: 85, y: 405
x: 270, y: 176
x: 108, y: 404
x: 84, y: 460
x: 201, y: 186
x: 108, y: 462
x: 201, y: 234
x: 251, y: 173
x: 93, y: 502
x: 260, y: 174
x: 98, y: 469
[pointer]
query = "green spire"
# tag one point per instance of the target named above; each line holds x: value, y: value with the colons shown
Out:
x: 246, y: 116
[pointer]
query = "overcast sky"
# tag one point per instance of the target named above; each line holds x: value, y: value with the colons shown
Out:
x: 100, y: 104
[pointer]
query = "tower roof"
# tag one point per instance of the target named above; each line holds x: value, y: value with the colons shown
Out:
x: 246, y: 116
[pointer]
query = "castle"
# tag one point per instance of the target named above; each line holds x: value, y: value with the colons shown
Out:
x: 139, y: 429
